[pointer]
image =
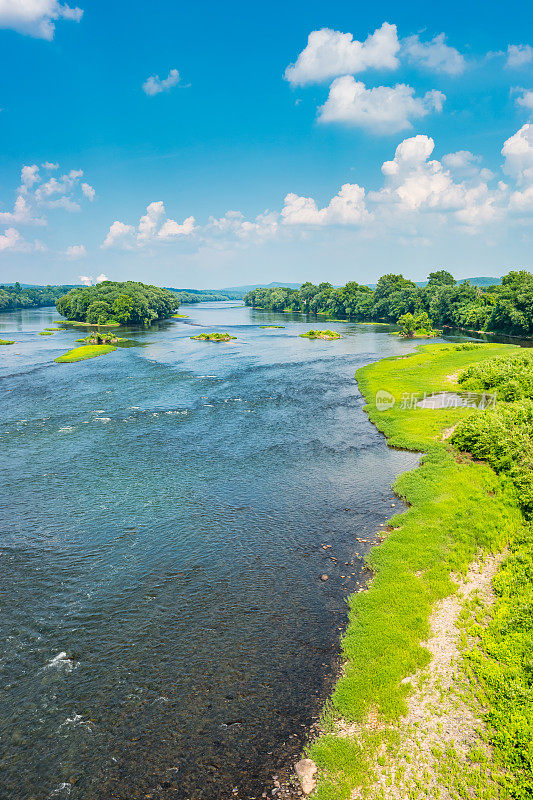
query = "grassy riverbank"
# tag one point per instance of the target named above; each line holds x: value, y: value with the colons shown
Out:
x: 82, y: 353
x: 458, y: 510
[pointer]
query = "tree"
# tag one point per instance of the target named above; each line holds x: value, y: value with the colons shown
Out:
x: 98, y: 312
x: 441, y: 278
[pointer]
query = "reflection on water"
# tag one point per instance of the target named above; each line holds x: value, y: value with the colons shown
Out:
x: 163, y: 520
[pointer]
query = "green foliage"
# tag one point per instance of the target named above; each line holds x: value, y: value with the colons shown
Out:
x: 512, y: 377
x: 456, y: 508
x: 82, y: 353
x: 505, y: 308
x: 327, y: 334
x: 213, y: 337
x: 46, y: 333
x: 503, y: 668
x: 128, y: 302
x: 6, y: 341
x: 14, y: 296
x: 415, y: 325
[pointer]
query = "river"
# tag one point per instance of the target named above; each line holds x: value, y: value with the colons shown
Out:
x: 166, y: 514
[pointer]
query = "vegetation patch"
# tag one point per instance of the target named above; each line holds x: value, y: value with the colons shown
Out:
x: 97, y: 337
x: 327, y: 334
x: 458, y: 508
x: 504, y: 308
x: 82, y: 353
x: 6, y: 341
x: 180, y: 316
x: 268, y: 327
x: 125, y: 303
x: 213, y: 337
x: 47, y: 333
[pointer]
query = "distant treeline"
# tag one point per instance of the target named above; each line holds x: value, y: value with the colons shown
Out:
x: 205, y: 295
x: 128, y: 302
x: 507, y: 308
x: 15, y: 296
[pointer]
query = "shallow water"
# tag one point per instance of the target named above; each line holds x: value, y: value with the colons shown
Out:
x: 165, y: 631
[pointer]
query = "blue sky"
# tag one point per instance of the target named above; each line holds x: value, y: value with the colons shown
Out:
x: 189, y: 111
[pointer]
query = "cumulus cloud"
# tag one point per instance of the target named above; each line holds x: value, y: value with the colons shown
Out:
x: 519, y: 55
x: 88, y: 191
x: 76, y: 251
x: 518, y: 154
x: 11, y: 240
x: 88, y: 280
x: 152, y: 226
x: 34, y: 194
x: 414, y: 183
x: 384, y: 109
x: 234, y: 225
x: 36, y: 17
x: 155, y: 85
x: 434, y: 55
x: 331, y: 53
x: 524, y: 97
x: 347, y: 207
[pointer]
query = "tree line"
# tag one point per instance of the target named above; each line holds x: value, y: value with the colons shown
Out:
x: 507, y: 308
x: 128, y: 302
x: 15, y: 296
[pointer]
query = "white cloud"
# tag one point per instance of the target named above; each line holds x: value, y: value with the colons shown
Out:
x: 50, y: 165
x: 29, y: 175
x: 434, y: 55
x: 86, y: 280
x: 22, y: 214
x: 384, y: 109
x: 525, y: 97
x: 88, y: 191
x: 13, y: 241
x: 413, y: 183
x: 347, y: 207
x: 519, y: 55
x: 234, y: 224
x: 76, y: 251
x: 155, y: 85
x: 101, y: 278
x: 331, y: 53
x: 35, y: 194
x: 518, y: 154
x: 36, y: 17
x: 152, y: 226
x: 119, y: 235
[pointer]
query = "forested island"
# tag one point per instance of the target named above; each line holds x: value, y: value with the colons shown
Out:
x: 505, y: 308
x: 14, y: 296
x: 126, y: 303
x: 213, y: 337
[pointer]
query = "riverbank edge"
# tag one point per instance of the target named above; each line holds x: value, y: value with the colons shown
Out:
x: 458, y: 511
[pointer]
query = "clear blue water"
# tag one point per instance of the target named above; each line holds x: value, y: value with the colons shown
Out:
x: 163, y: 516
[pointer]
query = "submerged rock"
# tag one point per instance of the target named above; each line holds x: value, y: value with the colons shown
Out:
x: 306, y: 771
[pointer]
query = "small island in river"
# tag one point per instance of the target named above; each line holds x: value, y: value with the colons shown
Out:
x: 6, y: 341
x: 327, y: 334
x: 213, y: 337
x: 97, y: 337
x: 84, y: 352
x: 268, y: 327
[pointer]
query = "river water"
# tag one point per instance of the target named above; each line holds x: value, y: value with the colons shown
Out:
x: 163, y: 516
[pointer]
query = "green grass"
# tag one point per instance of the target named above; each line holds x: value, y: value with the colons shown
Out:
x: 267, y: 327
x: 326, y: 335
x: 6, y: 341
x: 456, y: 508
x: 213, y: 337
x: 82, y: 353
x: 180, y: 316
x: 75, y: 324
x: 47, y: 333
